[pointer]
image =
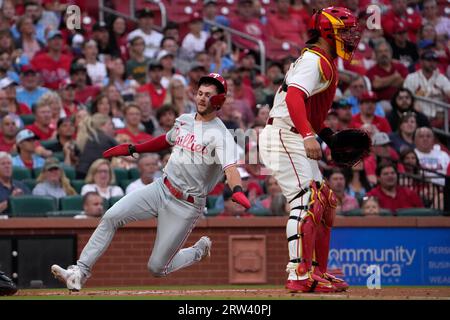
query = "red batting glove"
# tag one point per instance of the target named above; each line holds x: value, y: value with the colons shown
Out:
x: 242, y: 199
x: 120, y: 150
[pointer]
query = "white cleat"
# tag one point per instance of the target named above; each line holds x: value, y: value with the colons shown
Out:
x: 72, y: 277
x: 204, y: 244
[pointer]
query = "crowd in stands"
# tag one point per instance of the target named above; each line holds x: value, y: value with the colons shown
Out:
x: 67, y: 95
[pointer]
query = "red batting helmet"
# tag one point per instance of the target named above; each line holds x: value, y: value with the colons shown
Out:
x: 339, y: 27
x: 221, y: 85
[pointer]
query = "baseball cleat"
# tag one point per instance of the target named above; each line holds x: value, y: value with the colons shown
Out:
x: 339, y: 283
x: 313, y: 283
x: 72, y: 277
x: 204, y: 244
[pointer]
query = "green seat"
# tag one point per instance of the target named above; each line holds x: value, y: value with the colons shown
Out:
x: 352, y: 213
x: 27, y: 118
x: 260, y: 212
x: 37, y: 172
x: 124, y: 184
x: 30, y: 183
x: 77, y: 184
x: 32, y: 206
x: 21, y: 173
x: 386, y: 213
x: 59, y: 155
x: 71, y: 203
x: 113, y: 200
x: 414, y: 212
x: 133, y: 173
x: 121, y: 174
x: 69, y: 172
x: 212, y: 212
x: 49, y: 143
x: 63, y: 213
x: 211, y: 201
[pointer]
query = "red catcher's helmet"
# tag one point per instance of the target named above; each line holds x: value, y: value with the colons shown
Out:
x: 215, y: 78
x: 339, y: 27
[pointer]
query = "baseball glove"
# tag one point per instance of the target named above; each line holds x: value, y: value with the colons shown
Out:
x: 348, y: 146
x: 7, y: 287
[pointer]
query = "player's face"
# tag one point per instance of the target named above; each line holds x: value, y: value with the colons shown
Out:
x: 202, y: 99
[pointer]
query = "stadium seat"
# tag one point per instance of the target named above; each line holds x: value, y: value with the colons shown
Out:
x: 70, y: 172
x: 27, y: 118
x: 20, y: 173
x: 352, y: 213
x: 260, y: 212
x: 71, y: 203
x: 121, y: 174
x: 30, y: 183
x: 386, y: 213
x: 133, y: 173
x: 36, y: 172
x: 63, y: 213
x: 32, y: 206
x: 49, y: 143
x: 414, y: 212
x: 59, y: 155
x: 211, y: 201
x: 212, y: 212
x: 77, y: 184
x: 124, y: 183
x: 113, y: 200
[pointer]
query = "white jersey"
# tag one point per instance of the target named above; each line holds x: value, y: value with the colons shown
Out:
x: 152, y: 41
x: 303, y: 74
x: 201, y: 153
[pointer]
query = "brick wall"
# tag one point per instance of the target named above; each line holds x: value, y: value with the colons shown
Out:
x: 125, y: 261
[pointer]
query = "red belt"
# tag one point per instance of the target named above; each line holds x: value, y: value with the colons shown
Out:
x: 177, y: 193
x: 293, y: 129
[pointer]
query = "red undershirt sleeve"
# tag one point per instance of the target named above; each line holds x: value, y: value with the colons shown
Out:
x: 295, y: 100
x: 153, y: 145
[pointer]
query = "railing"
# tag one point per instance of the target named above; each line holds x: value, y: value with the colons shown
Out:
x: 102, y: 9
x: 424, y: 182
x: 260, y: 43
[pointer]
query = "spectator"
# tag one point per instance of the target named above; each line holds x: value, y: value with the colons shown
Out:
x: 210, y: 12
x: 370, y: 207
x: 401, y: 12
x: 226, y: 114
x: 148, y: 165
x: 357, y: 183
x: 117, y: 77
x: 6, y: 66
x: 100, y: 178
x: 404, y: 137
x: 52, y: 181
x: 166, y: 59
x: 53, y: 100
x: 42, y: 123
x: 432, y: 16
x: 344, y: 113
x: 217, y: 49
x: 430, y: 155
x: 106, y: 47
x: 272, y: 189
x: 143, y: 101
x: 26, y: 149
x: 410, y: 160
x: 8, y: 131
x: 145, y: 30
x: 154, y: 88
x: 84, y: 91
x: 403, y: 50
x: 67, y: 94
x: 231, y: 208
x: 243, y: 95
x: 386, y: 76
x: 34, y: 11
x: 403, y: 101
x: 9, y: 86
x: 196, y: 71
x: 92, y: 206
x: 246, y: 22
x: 337, y: 183
x: 195, y: 40
x: 27, y: 40
x: 101, y: 105
x: 8, y: 12
x: 117, y: 104
x: 30, y: 92
x: 9, y: 186
x: 137, y: 65
x: 357, y: 87
x: 4, y: 109
x: 53, y: 65
x: 282, y: 26
x: 279, y: 205
x: 95, y: 134
x: 166, y: 116
x: 133, y: 116
x: 177, y: 96
x: 262, y: 115
x: 126, y: 162
x: 65, y: 131
x: 96, y: 70
x: 118, y: 35
x: 390, y: 195
x: 429, y: 82
x: 367, y: 114
x: 182, y: 63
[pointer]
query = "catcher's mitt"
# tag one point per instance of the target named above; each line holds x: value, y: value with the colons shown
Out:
x: 7, y: 286
x: 348, y: 146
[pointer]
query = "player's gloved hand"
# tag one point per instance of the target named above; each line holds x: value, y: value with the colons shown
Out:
x: 124, y: 149
x: 239, y: 197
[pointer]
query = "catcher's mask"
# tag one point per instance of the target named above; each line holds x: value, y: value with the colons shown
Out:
x: 216, y: 79
x: 339, y: 27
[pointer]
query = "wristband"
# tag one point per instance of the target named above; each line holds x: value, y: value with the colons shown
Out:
x: 132, y: 151
x: 237, y: 189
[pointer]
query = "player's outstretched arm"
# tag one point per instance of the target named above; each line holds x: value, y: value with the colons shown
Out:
x: 235, y: 184
x: 126, y: 149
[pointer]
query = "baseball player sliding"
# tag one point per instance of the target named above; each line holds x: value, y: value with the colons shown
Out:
x: 288, y: 147
x: 203, y: 150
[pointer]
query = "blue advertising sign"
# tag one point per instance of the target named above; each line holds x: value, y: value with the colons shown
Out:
x: 403, y: 256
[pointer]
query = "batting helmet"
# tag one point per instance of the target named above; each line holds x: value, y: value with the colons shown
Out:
x: 339, y: 27
x: 221, y: 85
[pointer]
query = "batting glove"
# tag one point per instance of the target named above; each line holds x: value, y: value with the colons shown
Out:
x: 239, y: 197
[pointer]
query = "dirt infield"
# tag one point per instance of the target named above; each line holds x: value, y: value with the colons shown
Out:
x: 358, y: 293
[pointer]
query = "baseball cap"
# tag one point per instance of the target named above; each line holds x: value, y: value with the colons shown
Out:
x: 66, y: 83
x: 6, y: 82
x: 341, y: 103
x: 162, y: 54
x: 195, y: 16
x: 25, y: 134
x: 368, y: 96
x: 210, y: 42
x: 77, y: 67
x: 51, y: 163
x: 99, y: 25
x: 429, y: 55
x: 197, y: 65
x: 380, y: 139
x: 155, y: 64
x: 145, y: 13
x: 53, y: 34
x: 206, y: 2
x: 28, y: 68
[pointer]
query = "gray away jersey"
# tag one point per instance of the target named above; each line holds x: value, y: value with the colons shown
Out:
x: 201, y: 153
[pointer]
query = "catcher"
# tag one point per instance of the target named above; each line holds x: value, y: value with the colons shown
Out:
x: 288, y: 146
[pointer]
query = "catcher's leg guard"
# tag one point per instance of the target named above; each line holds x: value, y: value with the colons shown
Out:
x: 306, y: 214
